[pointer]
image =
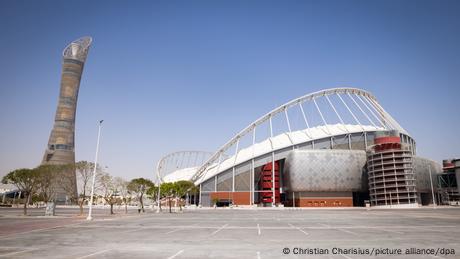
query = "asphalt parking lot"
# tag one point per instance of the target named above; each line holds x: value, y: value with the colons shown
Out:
x: 243, y: 233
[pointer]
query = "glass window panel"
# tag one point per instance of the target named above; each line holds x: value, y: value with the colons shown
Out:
x: 358, y: 141
x: 243, y: 177
x: 262, y: 160
x: 370, y: 138
x: 224, y: 181
x: 306, y: 145
x: 340, y: 142
x: 205, y: 200
x: 280, y: 154
x: 324, y: 143
x: 208, y: 185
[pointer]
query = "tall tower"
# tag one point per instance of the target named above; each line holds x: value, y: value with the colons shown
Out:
x: 61, y: 146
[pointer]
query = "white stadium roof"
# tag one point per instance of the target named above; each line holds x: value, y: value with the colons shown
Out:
x: 333, y: 112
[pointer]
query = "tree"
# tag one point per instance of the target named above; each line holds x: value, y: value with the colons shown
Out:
x: 47, y: 176
x: 109, y: 190
x: 67, y: 181
x: 25, y: 180
x: 123, y: 191
x: 84, y: 174
x: 152, y: 193
x: 182, y: 188
x: 140, y: 186
x: 168, y: 190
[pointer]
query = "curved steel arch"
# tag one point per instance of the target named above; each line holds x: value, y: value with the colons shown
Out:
x: 162, y: 168
x: 372, y: 105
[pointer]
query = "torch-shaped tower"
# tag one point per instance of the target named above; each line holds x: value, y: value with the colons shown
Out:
x: 61, y: 146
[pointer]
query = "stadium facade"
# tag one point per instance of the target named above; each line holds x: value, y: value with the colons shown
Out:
x: 332, y: 148
x: 61, y: 144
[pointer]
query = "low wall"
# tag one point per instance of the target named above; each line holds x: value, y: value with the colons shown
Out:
x: 237, y: 198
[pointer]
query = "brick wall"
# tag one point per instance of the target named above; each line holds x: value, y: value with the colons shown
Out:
x: 238, y: 198
x: 325, y: 202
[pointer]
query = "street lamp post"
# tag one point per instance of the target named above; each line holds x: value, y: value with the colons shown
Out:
x: 158, y: 196
x: 432, y: 189
x: 94, y: 172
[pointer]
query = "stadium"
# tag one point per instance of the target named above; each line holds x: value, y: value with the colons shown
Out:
x: 332, y: 148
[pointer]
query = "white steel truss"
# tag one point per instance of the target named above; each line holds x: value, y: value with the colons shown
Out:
x: 370, y: 108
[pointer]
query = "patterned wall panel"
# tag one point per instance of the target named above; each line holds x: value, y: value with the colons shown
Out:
x: 422, y: 173
x: 325, y: 170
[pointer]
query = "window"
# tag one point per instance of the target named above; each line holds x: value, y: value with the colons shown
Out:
x: 323, y: 143
x: 63, y: 147
x: 243, y: 177
x: 358, y: 141
x: 209, y: 185
x: 340, y: 142
x: 224, y: 181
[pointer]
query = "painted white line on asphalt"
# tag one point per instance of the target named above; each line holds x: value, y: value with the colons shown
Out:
x: 347, y: 231
x: 176, y: 254
x: 215, y: 232
x: 174, y: 230
x: 93, y: 254
x: 258, y: 255
x: 299, y: 229
x: 40, y: 229
x: 17, y: 252
x: 131, y: 230
x: 180, y: 228
x: 324, y: 225
x: 258, y: 229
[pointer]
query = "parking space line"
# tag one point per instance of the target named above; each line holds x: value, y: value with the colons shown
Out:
x: 347, y: 231
x: 93, y: 254
x: 299, y: 229
x: 258, y: 255
x: 258, y: 229
x: 324, y: 225
x: 176, y: 254
x: 131, y: 230
x: 174, y: 230
x: 17, y: 252
x: 8, y: 236
x: 181, y: 228
x: 215, y: 232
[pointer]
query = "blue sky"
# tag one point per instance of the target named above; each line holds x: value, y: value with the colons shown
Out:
x: 180, y: 75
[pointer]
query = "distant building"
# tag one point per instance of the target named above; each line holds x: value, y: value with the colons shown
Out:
x: 448, y: 179
x: 457, y: 171
x: 61, y: 144
x: 6, y: 188
x: 8, y: 191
